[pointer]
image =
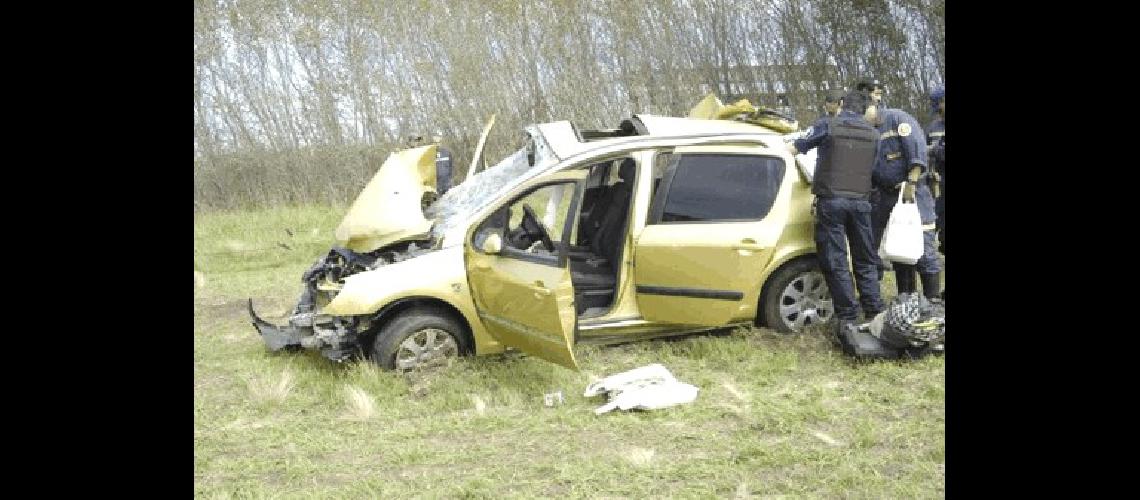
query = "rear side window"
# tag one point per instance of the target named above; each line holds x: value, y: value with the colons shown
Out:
x: 718, y: 187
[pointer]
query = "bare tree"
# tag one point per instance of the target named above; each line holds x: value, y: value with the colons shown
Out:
x: 299, y: 101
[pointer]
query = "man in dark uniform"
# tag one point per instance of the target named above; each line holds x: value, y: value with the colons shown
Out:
x: 832, y: 100
x: 442, y: 166
x: 848, y: 146
x: 936, y: 144
x: 902, y: 165
x: 874, y: 88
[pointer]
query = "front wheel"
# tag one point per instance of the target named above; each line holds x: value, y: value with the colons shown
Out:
x: 419, y: 338
x: 797, y: 297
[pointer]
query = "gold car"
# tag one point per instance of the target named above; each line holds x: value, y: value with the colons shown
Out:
x: 661, y: 226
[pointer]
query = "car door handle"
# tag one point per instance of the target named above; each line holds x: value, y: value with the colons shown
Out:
x: 747, y: 244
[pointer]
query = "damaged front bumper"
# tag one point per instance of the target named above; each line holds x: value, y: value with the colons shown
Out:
x: 335, y: 337
x: 277, y: 338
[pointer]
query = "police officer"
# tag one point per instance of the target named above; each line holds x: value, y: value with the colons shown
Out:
x: 848, y: 146
x: 831, y: 102
x: 936, y: 150
x: 873, y: 87
x: 902, y: 165
x: 442, y: 166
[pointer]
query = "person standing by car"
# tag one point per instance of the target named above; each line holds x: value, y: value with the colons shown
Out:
x: 832, y: 102
x: 442, y: 166
x: 875, y: 89
x: 901, y: 165
x: 936, y: 144
x: 848, y: 146
x: 872, y: 87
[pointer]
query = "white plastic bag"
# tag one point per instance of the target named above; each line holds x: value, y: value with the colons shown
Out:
x: 902, y: 239
x: 651, y: 397
x: 647, y: 388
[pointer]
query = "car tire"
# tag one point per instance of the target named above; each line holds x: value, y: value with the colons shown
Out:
x: 783, y: 301
x: 420, y: 337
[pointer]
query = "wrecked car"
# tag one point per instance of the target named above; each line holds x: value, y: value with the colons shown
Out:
x: 661, y: 226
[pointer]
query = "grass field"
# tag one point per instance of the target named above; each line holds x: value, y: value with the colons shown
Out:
x: 777, y: 416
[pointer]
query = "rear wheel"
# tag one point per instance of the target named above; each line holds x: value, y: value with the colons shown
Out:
x: 797, y: 297
x: 421, y: 337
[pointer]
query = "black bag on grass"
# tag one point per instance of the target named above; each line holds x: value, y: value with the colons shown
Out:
x: 910, y: 326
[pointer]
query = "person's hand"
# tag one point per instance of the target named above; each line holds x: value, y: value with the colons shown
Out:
x: 908, y: 192
x: 792, y: 148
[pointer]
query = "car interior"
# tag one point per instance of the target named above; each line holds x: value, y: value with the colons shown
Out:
x: 532, y: 230
x: 602, y: 226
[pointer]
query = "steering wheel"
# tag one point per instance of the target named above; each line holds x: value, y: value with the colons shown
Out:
x: 534, y: 228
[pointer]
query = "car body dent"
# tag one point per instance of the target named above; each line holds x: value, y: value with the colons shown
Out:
x: 389, y: 209
x: 438, y: 275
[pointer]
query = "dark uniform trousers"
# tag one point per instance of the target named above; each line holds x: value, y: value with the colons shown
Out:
x: 442, y: 170
x: 839, y: 222
x: 927, y: 265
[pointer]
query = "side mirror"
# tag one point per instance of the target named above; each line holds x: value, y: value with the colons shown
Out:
x: 493, y: 244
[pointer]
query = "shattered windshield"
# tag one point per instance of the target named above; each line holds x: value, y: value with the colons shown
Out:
x: 481, y: 189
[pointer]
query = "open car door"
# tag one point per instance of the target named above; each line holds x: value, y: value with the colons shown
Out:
x: 712, y: 227
x: 522, y: 290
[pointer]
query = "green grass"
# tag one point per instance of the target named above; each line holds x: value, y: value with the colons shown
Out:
x: 776, y: 415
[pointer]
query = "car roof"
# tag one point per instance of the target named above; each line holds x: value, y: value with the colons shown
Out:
x: 567, y: 140
x: 664, y: 126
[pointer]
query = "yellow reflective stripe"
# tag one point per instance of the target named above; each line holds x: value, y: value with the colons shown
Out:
x: 929, y: 227
x: 937, y: 134
x: 888, y: 135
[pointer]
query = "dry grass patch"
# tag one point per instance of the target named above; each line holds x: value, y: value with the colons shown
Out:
x: 268, y: 389
x: 639, y: 457
x: 360, y: 404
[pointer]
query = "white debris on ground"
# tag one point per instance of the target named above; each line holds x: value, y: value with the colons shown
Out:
x: 647, y: 388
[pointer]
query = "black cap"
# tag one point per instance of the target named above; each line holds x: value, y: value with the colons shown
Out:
x: 856, y: 101
x: 868, y: 84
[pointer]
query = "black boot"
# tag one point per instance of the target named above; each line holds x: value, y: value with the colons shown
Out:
x: 905, y: 279
x: 858, y: 342
x: 841, y: 325
x: 931, y: 286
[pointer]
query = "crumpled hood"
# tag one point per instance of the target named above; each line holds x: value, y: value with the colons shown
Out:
x: 390, y: 209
